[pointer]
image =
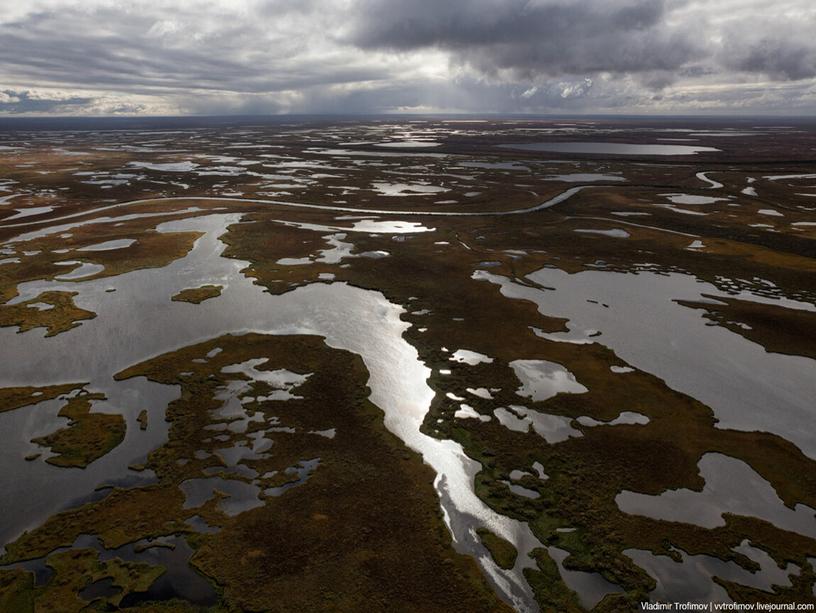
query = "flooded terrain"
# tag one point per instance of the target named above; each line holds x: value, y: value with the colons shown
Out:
x: 406, y: 365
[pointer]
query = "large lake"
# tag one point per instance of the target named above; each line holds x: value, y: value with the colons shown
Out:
x: 611, y: 148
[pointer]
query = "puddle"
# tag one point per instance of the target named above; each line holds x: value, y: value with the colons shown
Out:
x: 367, y: 226
x: 496, y: 165
x: 284, y: 381
x: 406, y: 189
x: 626, y: 418
x: 573, y: 335
x: 109, y: 245
x: 339, y: 251
x: 408, y: 144
x: 301, y: 471
x: 585, y: 177
x: 199, y: 524
x: 328, y: 433
x: 481, y: 392
x: 103, y: 588
x: 790, y: 177
x: 616, y: 233
x: 679, y: 210
x: 169, y: 167
x: 36, y: 210
x: 552, y: 428
x: 522, y: 491
x: 241, y: 496
x: 541, y: 380
x: 471, y: 358
x: 84, y: 269
x: 466, y: 411
x: 692, y: 199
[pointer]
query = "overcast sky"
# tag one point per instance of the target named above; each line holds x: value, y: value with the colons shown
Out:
x: 100, y: 57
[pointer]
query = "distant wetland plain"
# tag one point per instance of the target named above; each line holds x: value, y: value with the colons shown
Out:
x: 407, y: 365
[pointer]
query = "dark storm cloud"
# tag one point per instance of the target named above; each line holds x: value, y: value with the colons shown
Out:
x: 533, y: 38
x: 777, y: 59
x: 652, y: 39
x: 781, y: 49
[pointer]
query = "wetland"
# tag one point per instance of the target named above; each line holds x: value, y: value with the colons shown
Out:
x: 412, y: 365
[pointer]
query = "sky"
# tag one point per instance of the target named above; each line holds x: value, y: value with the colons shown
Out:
x: 223, y: 57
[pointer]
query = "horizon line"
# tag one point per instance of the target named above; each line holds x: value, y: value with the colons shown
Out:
x: 486, y: 115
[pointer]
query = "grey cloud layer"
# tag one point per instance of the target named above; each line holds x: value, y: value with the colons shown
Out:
x: 556, y: 37
x: 781, y: 48
x: 256, y: 56
x: 533, y: 37
x: 143, y: 51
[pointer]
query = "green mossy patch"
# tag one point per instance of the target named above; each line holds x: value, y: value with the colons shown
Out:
x: 197, y: 295
x: 12, y: 398
x: 16, y: 591
x: 502, y: 551
x: 123, y: 516
x: 61, y: 317
x: 87, y: 437
x: 77, y: 569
